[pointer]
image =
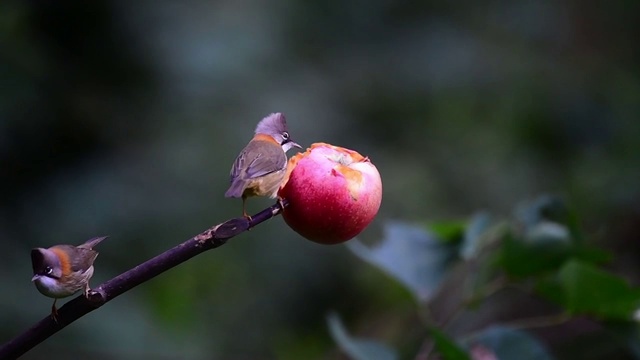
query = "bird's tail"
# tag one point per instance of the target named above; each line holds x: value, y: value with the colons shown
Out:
x: 236, y: 189
x: 91, y: 243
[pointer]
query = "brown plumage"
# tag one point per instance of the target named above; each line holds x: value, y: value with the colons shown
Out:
x: 63, y: 270
x: 260, y: 167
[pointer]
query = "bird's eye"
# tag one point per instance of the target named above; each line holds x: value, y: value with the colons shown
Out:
x: 285, y: 135
x: 48, y: 270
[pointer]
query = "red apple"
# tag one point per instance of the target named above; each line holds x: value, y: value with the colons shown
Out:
x: 333, y: 193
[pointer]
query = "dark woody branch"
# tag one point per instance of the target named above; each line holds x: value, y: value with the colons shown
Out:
x: 80, y: 306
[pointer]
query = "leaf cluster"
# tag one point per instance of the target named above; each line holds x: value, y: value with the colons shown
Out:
x: 458, y: 270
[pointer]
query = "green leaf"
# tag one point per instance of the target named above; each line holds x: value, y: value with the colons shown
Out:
x: 543, y: 243
x: 358, y: 349
x: 507, y: 343
x: 446, y: 347
x: 591, y: 254
x: 412, y: 255
x: 550, y: 289
x: 590, y: 290
x: 520, y: 258
x: 544, y: 249
x: 448, y: 231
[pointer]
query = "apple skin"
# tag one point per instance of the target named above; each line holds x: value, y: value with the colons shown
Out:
x: 333, y: 193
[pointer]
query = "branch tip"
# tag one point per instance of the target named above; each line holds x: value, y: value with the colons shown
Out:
x: 96, y: 297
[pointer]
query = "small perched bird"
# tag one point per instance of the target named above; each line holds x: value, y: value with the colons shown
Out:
x: 261, y: 165
x: 63, y: 270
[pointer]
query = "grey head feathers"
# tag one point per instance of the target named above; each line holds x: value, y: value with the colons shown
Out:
x: 274, y: 124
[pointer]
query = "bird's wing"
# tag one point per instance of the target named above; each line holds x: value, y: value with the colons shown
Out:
x: 237, y: 166
x: 269, y: 159
x: 80, y: 259
x: 85, y: 260
x: 257, y: 160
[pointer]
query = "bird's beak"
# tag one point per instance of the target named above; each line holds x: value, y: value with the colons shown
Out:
x: 35, y: 277
x: 295, y: 144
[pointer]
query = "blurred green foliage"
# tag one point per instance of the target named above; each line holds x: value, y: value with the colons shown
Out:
x: 123, y: 118
x: 461, y: 292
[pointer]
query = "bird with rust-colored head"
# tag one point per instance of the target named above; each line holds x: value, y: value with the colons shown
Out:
x: 63, y: 270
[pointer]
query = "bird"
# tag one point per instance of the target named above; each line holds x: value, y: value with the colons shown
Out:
x: 260, y: 167
x: 63, y: 270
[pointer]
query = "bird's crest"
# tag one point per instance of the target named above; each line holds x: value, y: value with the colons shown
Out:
x: 272, y: 125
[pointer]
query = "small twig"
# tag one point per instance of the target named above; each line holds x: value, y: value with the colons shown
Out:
x: 80, y: 306
x: 538, y: 321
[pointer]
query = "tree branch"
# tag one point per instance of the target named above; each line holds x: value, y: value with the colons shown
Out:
x: 80, y: 306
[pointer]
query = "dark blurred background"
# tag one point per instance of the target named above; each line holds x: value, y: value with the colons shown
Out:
x: 123, y: 119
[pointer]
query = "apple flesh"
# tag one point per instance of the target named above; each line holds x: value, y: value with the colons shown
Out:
x: 333, y: 193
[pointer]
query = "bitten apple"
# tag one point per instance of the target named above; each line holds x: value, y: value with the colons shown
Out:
x: 333, y: 193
